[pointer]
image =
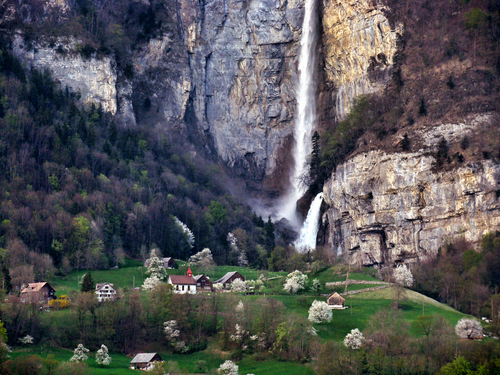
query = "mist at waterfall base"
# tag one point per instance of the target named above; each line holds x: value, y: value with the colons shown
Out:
x: 306, y: 114
x: 309, y: 230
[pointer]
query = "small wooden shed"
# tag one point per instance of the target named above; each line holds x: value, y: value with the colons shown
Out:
x: 335, y: 301
x: 203, y: 282
x: 145, y: 361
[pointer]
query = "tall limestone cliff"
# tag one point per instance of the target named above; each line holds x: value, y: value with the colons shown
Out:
x: 397, y: 207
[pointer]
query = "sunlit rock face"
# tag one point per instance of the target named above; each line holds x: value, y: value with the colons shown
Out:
x: 93, y: 79
x: 386, y: 208
x: 359, y: 47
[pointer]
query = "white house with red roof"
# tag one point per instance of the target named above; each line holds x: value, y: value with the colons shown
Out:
x: 183, y: 284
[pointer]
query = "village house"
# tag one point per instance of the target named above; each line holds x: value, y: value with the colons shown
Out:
x: 203, y: 282
x: 167, y: 263
x: 38, y: 292
x: 145, y: 361
x: 228, y: 278
x: 105, y: 292
x: 183, y: 283
x: 336, y: 301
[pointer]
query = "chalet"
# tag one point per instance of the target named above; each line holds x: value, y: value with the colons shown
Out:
x: 203, y: 282
x: 38, y: 292
x: 105, y: 292
x: 228, y: 278
x: 145, y: 361
x: 183, y: 283
x: 167, y: 263
x: 335, y: 301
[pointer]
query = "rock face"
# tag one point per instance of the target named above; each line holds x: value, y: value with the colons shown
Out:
x: 386, y: 208
x: 359, y: 46
x: 93, y: 78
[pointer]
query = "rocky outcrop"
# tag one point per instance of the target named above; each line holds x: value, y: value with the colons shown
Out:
x: 94, y: 79
x: 359, y: 46
x: 385, y: 208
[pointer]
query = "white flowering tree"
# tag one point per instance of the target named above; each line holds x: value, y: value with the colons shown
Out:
x: 171, y: 331
x: 156, y: 267
x: 228, y: 368
x: 204, y: 260
x: 295, y: 281
x: 403, y: 276
x: 238, y: 286
x: 319, y: 312
x: 80, y: 354
x: 102, y: 356
x: 217, y: 287
x: 187, y: 232
x: 469, y: 329
x: 355, y: 339
x: 150, y: 283
x: 233, y: 244
x: 26, y: 340
x: 240, y: 307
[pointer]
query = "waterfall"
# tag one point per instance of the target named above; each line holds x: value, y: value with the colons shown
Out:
x: 309, y: 231
x: 306, y: 109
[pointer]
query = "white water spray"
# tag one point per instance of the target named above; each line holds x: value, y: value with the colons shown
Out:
x: 309, y: 231
x: 306, y: 109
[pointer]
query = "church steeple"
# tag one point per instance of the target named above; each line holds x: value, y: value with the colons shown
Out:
x: 189, y: 272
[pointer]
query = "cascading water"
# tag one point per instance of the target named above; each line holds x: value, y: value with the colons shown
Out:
x: 309, y: 230
x: 306, y: 109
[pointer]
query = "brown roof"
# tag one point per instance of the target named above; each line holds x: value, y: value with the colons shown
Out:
x: 182, y: 280
x: 35, y: 287
x: 145, y: 358
x: 335, y: 299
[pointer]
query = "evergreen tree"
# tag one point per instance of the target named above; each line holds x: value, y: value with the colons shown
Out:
x: 315, y: 164
x: 7, y: 281
x: 269, y: 231
x: 88, y: 284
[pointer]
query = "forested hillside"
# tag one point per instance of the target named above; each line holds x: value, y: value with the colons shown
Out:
x: 80, y: 191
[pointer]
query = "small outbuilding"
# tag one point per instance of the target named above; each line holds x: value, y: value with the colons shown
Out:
x: 145, y: 361
x: 203, y: 282
x: 168, y: 262
x: 38, y: 293
x: 336, y: 301
x: 228, y: 278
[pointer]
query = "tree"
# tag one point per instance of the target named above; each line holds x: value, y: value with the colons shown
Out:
x: 102, y: 357
x: 26, y: 340
x: 319, y: 312
x: 238, y: 286
x: 315, y: 287
x: 469, y: 329
x: 354, y: 339
x: 80, y: 354
x: 150, y: 283
x: 155, y: 266
x: 403, y: 276
x: 88, y: 284
x: 228, y: 368
x: 459, y: 366
x: 295, y: 281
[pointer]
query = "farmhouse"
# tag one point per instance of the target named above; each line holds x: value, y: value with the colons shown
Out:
x: 228, y: 278
x: 38, y: 292
x: 167, y: 263
x: 105, y: 292
x: 145, y: 361
x: 183, y: 283
x: 202, y: 282
x: 336, y: 301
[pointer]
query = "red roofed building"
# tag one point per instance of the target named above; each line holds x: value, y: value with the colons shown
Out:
x: 183, y: 283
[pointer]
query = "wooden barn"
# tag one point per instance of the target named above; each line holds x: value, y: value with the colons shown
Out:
x: 228, y: 278
x: 203, y: 282
x: 145, y: 361
x: 336, y: 301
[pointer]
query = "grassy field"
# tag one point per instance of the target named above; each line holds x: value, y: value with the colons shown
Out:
x: 360, y: 308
